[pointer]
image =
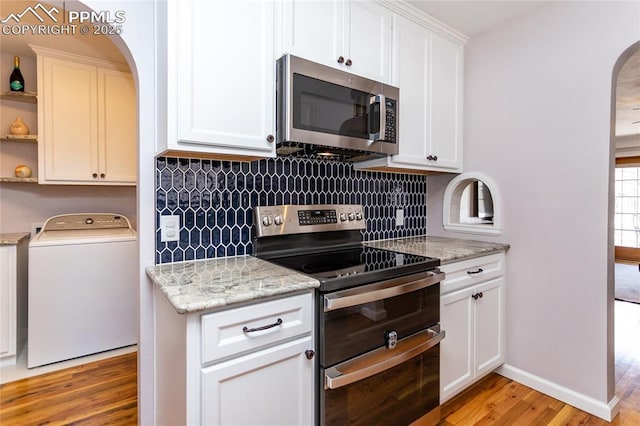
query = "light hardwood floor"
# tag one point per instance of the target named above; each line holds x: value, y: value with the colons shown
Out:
x: 104, y: 392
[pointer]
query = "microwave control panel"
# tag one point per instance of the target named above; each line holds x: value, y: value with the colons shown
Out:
x: 390, y: 130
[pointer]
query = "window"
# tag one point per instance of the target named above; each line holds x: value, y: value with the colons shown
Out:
x: 627, y: 207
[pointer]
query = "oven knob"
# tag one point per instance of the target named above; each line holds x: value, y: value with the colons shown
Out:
x: 358, y: 216
x: 266, y: 221
x: 278, y: 220
x: 352, y: 216
x: 343, y: 217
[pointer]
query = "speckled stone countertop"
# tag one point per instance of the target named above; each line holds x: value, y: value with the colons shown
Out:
x: 200, y: 285
x: 448, y: 250
x: 12, y: 238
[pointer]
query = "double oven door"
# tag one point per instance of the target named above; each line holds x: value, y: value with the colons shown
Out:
x: 379, y: 353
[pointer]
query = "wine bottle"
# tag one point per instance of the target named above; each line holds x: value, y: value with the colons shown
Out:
x: 16, y: 81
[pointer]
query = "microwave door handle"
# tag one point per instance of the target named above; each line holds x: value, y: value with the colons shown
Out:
x: 381, y: 359
x: 378, y: 99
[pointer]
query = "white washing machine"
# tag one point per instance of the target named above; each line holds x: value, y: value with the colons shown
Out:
x: 83, y: 291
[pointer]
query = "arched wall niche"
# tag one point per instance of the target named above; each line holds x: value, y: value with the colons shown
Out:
x: 472, y: 204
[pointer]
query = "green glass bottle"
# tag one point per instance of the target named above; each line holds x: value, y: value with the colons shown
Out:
x: 16, y: 81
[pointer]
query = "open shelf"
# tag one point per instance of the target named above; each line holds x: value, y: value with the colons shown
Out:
x: 29, y: 97
x: 20, y: 138
x: 19, y: 180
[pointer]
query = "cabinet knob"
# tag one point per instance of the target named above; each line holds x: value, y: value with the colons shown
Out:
x: 270, y: 138
x: 102, y: 175
x: 477, y: 296
x: 432, y: 157
x: 309, y: 354
x: 341, y: 59
x: 95, y: 175
x: 348, y: 63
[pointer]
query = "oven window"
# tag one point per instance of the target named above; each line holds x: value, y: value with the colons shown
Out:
x: 329, y: 108
x: 349, y: 332
x: 397, y: 396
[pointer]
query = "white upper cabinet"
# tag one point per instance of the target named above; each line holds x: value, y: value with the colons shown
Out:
x: 87, y: 120
x: 354, y: 36
x: 428, y: 69
x: 445, y: 116
x: 220, y: 82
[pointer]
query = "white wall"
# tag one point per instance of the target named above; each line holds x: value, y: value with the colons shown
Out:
x: 537, y: 120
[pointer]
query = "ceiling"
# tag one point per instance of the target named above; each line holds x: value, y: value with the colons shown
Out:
x: 470, y: 17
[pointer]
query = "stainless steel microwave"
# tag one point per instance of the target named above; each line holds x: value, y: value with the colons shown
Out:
x: 328, y: 112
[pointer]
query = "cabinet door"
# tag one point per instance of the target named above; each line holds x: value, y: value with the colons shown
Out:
x: 456, y: 350
x: 446, y: 103
x: 489, y: 326
x: 118, y: 128
x: 68, y: 150
x: 222, y: 76
x: 314, y: 30
x: 411, y: 69
x: 368, y: 45
x: 8, y: 323
x: 273, y: 386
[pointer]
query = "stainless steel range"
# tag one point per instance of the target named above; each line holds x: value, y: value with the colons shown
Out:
x: 378, y: 315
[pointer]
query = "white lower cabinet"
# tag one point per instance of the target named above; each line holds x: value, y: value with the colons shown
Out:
x: 13, y: 300
x: 242, y: 366
x: 473, y: 319
x: 272, y: 386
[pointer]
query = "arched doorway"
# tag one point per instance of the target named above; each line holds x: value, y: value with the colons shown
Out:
x: 624, y: 208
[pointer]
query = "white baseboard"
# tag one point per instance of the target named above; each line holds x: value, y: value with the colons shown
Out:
x: 585, y: 403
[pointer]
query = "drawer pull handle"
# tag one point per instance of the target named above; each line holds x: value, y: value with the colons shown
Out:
x: 477, y: 296
x: 264, y: 327
x: 477, y: 271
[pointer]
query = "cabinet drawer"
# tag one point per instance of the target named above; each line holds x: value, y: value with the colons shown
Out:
x: 471, y: 272
x: 229, y: 333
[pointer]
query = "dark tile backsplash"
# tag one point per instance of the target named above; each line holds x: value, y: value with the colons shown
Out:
x: 215, y: 200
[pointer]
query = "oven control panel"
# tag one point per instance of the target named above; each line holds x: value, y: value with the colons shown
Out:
x: 299, y: 219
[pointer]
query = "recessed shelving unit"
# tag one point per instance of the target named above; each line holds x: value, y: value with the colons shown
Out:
x: 29, y: 97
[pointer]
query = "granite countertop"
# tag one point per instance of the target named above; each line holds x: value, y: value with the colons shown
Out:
x: 200, y: 285
x: 12, y: 238
x: 448, y: 250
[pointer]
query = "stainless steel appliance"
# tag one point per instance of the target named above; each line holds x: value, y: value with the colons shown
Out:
x: 322, y: 111
x: 378, y: 315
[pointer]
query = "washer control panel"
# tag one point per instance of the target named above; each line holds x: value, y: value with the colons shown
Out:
x: 298, y: 219
x: 78, y: 221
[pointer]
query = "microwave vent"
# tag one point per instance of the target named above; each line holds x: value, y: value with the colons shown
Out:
x: 320, y: 152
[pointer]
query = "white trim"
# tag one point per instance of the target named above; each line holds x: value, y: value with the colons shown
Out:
x: 67, y: 56
x: 603, y: 410
x: 451, y: 203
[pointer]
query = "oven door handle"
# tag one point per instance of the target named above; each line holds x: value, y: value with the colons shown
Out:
x: 381, y: 359
x: 381, y: 290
